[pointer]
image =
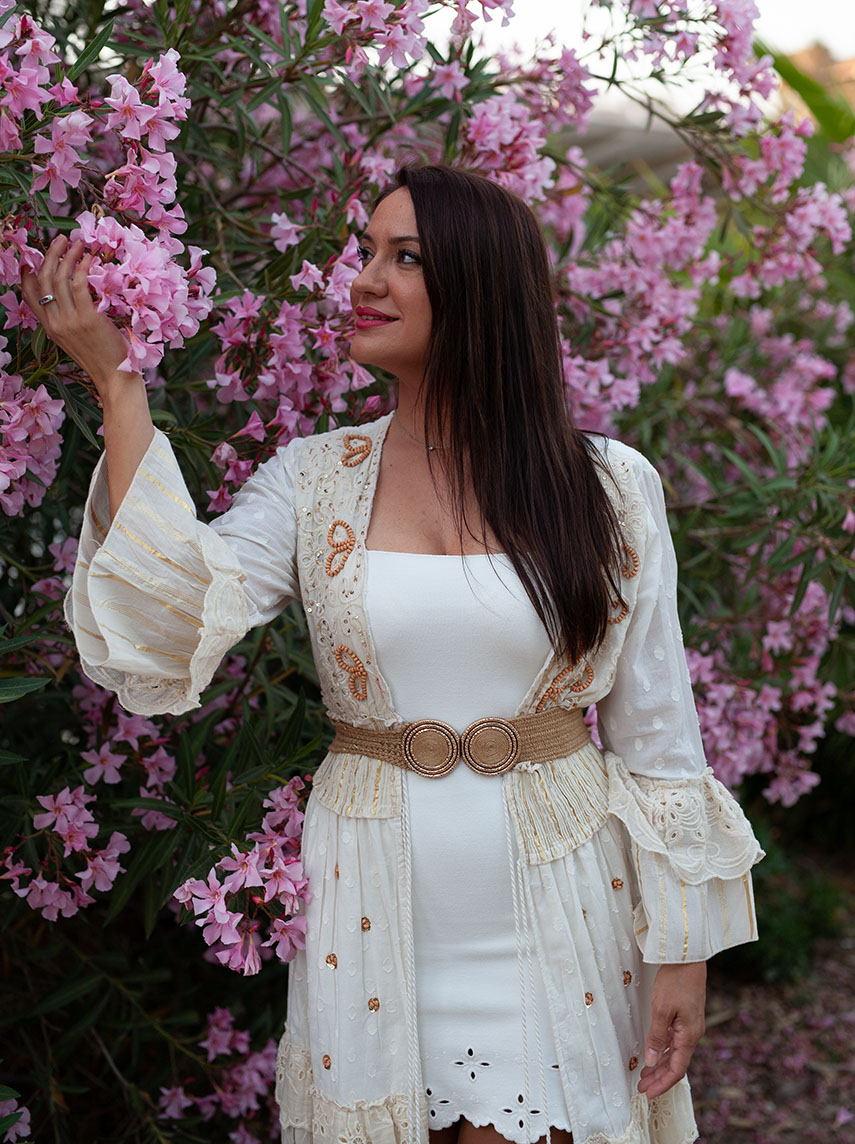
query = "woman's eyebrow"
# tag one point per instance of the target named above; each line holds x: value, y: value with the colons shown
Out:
x: 394, y: 241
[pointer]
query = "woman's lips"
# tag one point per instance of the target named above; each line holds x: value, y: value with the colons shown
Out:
x: 370, y: 321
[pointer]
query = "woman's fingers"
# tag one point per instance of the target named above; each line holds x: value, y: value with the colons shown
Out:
x: 670, y: 1067
x: 47, y: 273
x: 61, y: 286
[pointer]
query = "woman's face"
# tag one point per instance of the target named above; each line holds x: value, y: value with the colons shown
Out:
x: 390, y: 302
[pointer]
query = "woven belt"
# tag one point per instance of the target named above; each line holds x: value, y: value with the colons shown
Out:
x: 488, y: 746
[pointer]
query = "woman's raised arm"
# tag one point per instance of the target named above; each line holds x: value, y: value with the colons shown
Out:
x: 90, y: 338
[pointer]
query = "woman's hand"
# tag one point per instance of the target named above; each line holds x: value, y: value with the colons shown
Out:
x: 72, y: 319
x: 679, y: 994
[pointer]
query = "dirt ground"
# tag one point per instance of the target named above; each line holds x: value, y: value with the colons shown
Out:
x: 777, y: 1063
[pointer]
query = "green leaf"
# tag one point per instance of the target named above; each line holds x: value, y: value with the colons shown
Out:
x: 12, y: 689
x: 10, y: 1118
x: 164, y: 415
x: 14, y: 644
x: 93, y: 51
x: 74, y: 407
x: 69, y: 991
x: 7, y: 1093
x: 9, y: 758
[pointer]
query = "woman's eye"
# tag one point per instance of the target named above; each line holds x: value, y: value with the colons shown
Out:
x: 410, y: 256
x: 362, y: 253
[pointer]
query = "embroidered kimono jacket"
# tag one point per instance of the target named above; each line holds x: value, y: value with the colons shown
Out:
x: 626, y: 858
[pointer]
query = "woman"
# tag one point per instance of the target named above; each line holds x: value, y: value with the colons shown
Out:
x: 504, y: 921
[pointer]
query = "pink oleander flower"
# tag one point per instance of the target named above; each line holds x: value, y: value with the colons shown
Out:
x: 287, y: 937
x: 104, y: 765
x: 309, y: 276
x: 243, y: 956
x: 173, y: 1102
x: 244, y: 870
x: 102, y: 866
x: 131, y: 116
x: 284, y: 233
x: 449, y: 79
x: 21, y: 1128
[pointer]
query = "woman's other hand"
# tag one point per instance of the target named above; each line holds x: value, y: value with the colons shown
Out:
x: 72, y: 320
x: 98, y: 346
x: 679, y: 996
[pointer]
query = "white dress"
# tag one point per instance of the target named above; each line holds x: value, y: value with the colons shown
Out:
x: 467, y: 617
x: 625, y: 859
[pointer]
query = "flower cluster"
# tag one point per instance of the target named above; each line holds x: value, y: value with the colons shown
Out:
x: 242, y: 1087
x: 66, y: 816
x: 30, y: 443
x: 770, y: 723
x: 641, y: 295
x: 134, y: 275
x: 266, y: 880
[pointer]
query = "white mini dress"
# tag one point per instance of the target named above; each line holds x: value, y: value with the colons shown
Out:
x: 458, y: 639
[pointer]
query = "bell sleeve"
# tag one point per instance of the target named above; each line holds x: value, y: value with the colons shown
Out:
x: 158, y: 597
x: 692, y: 846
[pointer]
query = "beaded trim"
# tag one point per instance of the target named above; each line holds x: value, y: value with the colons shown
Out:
x: 358, y: 682
x: 340, y: 548
x: 355, y: 454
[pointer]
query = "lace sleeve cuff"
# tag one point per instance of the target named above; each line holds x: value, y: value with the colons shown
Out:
x: 693, y: 850
x: 156, y: 598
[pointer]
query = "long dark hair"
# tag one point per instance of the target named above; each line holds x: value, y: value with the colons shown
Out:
x: 494, y: 394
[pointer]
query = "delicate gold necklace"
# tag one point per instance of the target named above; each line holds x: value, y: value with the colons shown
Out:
x: 430, y: 448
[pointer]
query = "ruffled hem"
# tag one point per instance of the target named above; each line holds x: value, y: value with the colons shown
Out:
x: 696, y: 823
x: 306, y: 1116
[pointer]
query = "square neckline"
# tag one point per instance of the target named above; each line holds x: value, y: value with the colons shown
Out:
x: 397, y: 551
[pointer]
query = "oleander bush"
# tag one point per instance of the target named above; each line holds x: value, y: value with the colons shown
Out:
x: 219, y: 159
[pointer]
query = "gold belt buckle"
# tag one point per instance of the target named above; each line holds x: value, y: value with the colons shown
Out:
x: 488, y: 746
x: 431, y: 748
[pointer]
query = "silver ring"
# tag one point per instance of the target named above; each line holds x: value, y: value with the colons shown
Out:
x: 47, y: 298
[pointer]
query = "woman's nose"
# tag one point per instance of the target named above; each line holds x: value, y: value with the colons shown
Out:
x: 370, y: 278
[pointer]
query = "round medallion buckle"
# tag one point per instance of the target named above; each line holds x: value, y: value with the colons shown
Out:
x: 490, y: 746
x: 431, y: 748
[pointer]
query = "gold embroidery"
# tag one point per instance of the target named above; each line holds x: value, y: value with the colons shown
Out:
x: 630, y: 568
x: 617, y: 883
x: 366, y: 923
x: 633, y: 1064
x: 141, y: 647
x: 627, y: 977
x: 747, y: 887
x: 589, y: 998
x: 121, y: 580
x: 96, y: 521
x: 165, y: 490
x: 358, y: 682
x: 332, y: 960
x: 340, y: 548
x: 355, y: 454
x: 374, y: 1004
x: 326, y: 1062
x: 159, y: 555
x: 336, y: 869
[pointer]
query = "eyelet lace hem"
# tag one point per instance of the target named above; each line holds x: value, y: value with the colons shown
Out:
x: 306, y: 1116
